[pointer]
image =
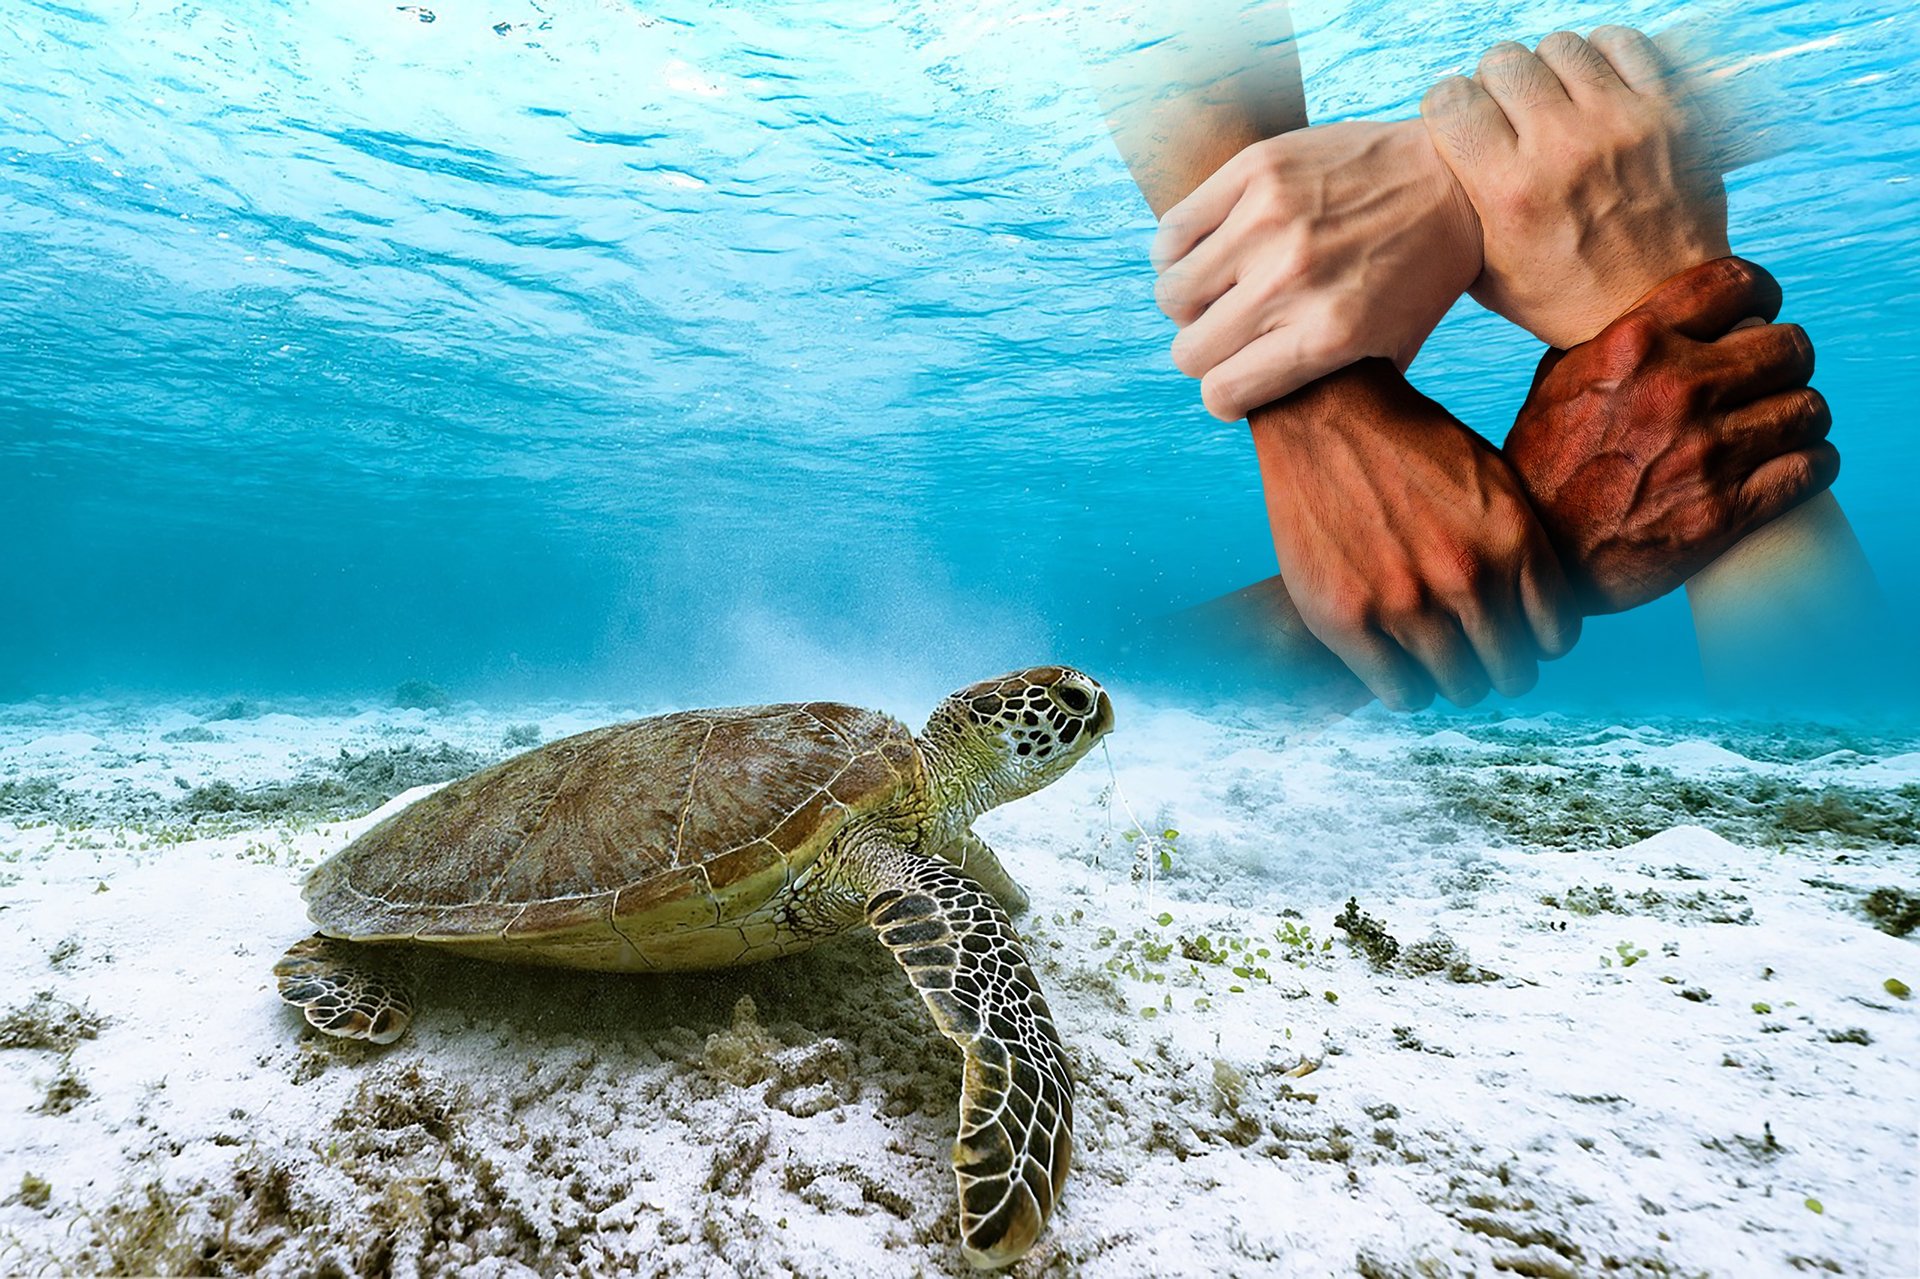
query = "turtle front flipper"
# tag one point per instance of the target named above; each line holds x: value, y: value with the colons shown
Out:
x: 1016, y: 1100
x: 981, y: 863
x: 348, y: 989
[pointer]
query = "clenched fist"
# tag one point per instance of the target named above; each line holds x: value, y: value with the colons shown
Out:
x: 1656, y: 446
x: 1587, y: 167
x: 1309, y: 251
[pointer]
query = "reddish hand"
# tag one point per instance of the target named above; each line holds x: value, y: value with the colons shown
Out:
x: 1407, y: 543
x: 1656, y: 446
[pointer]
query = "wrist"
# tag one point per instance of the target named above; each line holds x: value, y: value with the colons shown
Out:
x: 1451, y: 211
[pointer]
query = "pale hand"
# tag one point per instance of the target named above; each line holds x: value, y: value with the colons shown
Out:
x: 1308, y: 252
x: 1585, y: 167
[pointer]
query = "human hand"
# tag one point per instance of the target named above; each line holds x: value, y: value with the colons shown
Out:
x: 1309, y: 251
x: 1585, y: 165
x: 1656, y: 446
x: 1407, y: 543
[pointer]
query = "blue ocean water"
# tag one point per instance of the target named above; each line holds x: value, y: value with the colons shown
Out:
x: 717, y: 350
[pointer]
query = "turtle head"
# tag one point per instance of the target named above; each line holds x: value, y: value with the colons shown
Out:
x: 1009, y: 736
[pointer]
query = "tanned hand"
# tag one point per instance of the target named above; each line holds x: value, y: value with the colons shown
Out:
x: 1681, y: 428
x: 1407, y: 543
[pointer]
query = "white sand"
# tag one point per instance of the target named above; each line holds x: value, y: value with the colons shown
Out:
x: 1574, y: 1115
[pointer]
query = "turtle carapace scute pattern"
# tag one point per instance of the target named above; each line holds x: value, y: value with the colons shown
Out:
x: 712, y: 838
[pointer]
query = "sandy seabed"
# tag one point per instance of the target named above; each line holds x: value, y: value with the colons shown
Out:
x: 1646, y: 1016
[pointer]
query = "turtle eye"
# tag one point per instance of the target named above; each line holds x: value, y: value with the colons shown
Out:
x: 1074, y: 699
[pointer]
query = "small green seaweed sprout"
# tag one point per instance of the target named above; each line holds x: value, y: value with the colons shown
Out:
x: 1152, y: 854
x: 1629, y: 954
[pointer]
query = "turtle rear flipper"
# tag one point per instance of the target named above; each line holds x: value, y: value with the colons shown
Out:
x: 1016, y: 1099
x: 348, y: 989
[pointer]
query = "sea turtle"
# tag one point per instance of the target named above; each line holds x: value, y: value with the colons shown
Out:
x: 706, y: 839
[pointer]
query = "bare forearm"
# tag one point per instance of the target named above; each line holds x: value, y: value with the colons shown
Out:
x: 1177, y: 114
x: 1185, y: 105
x: 1793, y: 607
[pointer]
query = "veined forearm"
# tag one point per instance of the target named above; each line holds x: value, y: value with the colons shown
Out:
x: 1184, y: 105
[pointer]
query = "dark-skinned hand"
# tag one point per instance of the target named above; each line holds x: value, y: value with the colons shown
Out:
x: 1682, y: 427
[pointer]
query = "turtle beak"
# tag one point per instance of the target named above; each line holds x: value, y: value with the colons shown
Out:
x: 1102, y: 722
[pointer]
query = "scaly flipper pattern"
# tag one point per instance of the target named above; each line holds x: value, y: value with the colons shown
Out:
x: 1016, y: 1102
x: 348, y: 989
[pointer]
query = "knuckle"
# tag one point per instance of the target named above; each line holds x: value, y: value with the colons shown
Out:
x: 1446, y: 96
x: 1638, y: 132
x: 1814, y: 410
x: 1344, y: 613
x: 1736, y: 276
x: 1467, y: 571
x: 1268, y: 152
x: 1336, y: 337
x: 1796, y: 473
x: 1502, y: 51
x: 1800, y: 344
x: 1188, y: 358
x: 1285, y: 263
x: 1170, y: 297
x: 1264, y: 199
x: 1401, y: 601
x: 1616, y: 36
x: 1635, y: 338
x: 1522, y: 202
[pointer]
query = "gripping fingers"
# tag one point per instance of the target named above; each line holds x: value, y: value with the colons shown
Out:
x: 1633, y: 57
x: 1706, y: 301
x: 1548, y: 604
x: 1780, y: 424
x: 1503, y: 644
x: 1467, y: 126
x: 1785, y: 482
x: 1202, y: 212
x: 1582, y: 72
x: 1759, y: 360
x: 1273, y: 365
x: 1229, y: 324
x: 1188, y: 287
x: 1382, y: 665
x: 1440, y: 646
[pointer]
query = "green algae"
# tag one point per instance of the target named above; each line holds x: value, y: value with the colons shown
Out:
x: 345, y: 786
x: 49, y: 1022
x: 1367, y: 935
x: 1588, y: 805
x: 419, y: 694
x: 1894, y: 911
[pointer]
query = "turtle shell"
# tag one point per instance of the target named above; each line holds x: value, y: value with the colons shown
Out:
x: 573, y: 852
